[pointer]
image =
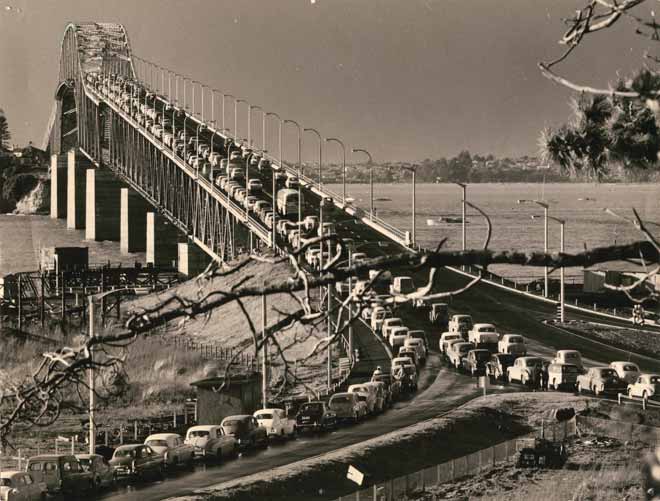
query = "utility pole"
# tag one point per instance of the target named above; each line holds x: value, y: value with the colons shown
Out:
x: 264, y: 367
x: 92, y: 381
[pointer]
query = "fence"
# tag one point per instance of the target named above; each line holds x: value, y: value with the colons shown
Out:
x: 208, y: 351
x: 472, y: 464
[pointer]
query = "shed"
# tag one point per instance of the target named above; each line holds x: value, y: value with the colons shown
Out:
x: 217, y: 399
x: 60, y: 259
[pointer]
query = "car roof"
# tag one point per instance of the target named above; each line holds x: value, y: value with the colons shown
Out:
x: 10, y: 473
x: 88, y: 456
x: 157, y: 436
x: 623, y: 362
x: 270, y: 409
x: 238, y: 416
x: 483, y: 324
x: 203, y: 427
x: 128, y: 447
x: 567, y: 351
x: 49, y: 457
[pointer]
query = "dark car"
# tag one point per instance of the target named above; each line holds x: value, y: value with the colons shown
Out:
x: 475, y: 361
x: 315, y: 416
x: 497, y: 365
x: 393, y: 385
x: 61, y: 473
x: 137, y: 461
x: 246, y: 430
x: 102, y: 473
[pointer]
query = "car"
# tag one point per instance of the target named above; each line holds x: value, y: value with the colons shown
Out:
x: 484, y: 336
x: 397, y: 336
x: 409, y: 352
x: 254, y: 186
x: 250, y: 202
x: 439, y: 314
x: 315, y: 416
x: 402, y: 285
x: 647, y: 386
x: 393, y: 385
x: 60, y: 473
x: 246, y: 430
x: 497, y: 365
x: 512, y: 343
x: 475, y: 361
x: 367, y: 395
x: 263, y: 164
x: 601, y: 380
x: 628, y: 371
x: 20, y: 486
x: 569, y: 357
x: 457, y: 352
x: 268, y: 219
x: 211, y: 441
x: 276, y: 422
x: 172, y: 447
x: 460, y: 323
x: 262, y: 206
x: 379, y: 390
x: 522, y: 369
x: 221, y: 181
x: 137, y: 461
x: 348, y: 406
x: 103, y: 474
x: 561, y: 375
x: 398, y: 363
x: 389, y: 324
x: 408, y: 378
x: 378, y: 316
x: 445, y: 339
x: 291, y: 182
x: 311, y: 223
x: 418, y: 343
x: 236, y: 174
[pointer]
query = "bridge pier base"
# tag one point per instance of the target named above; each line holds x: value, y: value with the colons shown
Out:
x: 102, y: 205
x: 75, y: 190
x: 58, y: 186
x: 161, y: 245
x: 132, y: 222
x: 192, y: 260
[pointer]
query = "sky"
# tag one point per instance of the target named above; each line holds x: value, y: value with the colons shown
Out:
x: 405, y: 79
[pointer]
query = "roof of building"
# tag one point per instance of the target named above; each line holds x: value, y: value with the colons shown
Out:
x: 620, y: 266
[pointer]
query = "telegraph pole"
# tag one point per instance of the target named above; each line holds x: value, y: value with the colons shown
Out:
x: 264, y: 367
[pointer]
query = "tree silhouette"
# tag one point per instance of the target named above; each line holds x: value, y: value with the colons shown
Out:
x: 5, y: 135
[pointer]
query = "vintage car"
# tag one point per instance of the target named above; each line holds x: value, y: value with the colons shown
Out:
x: 512, y: 343
x: 523, y: 369
x: 383, y: 399
x: 569, y: 357
x: 484, y: 336
x: 366, y: 395
x: 418, y: 343
x: 20, y: 486
x: 600, y: 380
x: 246, y: 430
x: 628, y: 371
x: 348, y: 406
x: 210, y: 441
x: 172, y: 447
x: 460, y: 323
x: 137, y: 461
x: 393, y: 385
x: 61, y: 473
x: 445, y: 339
x: 398, y: 363
x: 475, y: 361
x: 457, y: 352
x: 389, y: 324
x: 315, y: 416
x: 562, y: 376
x: 646, y: 387
x: 409, y: 352
x: 397, y: 337
x: 497, y: 365
x: 102, y: 473
x: 439, y: 314
x: 402, y: 285
x: 378, y: 316
x: 542, y: 453
x: 276, y: 422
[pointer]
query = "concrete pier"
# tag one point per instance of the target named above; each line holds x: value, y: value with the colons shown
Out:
x: 58, y: 186
x: 192, y: 260
x: 132, y: 222
x: 102, y: 205
x: 75, y: 190
x: 161, y: 245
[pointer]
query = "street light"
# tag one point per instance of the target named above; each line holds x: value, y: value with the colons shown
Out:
x: 412, y: 169
x: 250, y: 108
x: 309, y: 129
x: 293, y: 122
x: 463, y: 232
x: 236, y: 101
x: 201, y: 88
x: 343, y: 166
x: 274, y: 189
x: 192, y: 83
x: 371, y: 180
x: 199, y: 126
x: 224, y: 129
x: 545, y: 237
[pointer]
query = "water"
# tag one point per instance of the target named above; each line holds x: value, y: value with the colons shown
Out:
x: 580, y: 205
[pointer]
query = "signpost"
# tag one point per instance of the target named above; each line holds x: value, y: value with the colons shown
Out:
x: 355, y: 475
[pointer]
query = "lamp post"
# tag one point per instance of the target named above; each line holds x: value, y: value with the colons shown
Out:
x: 224, y: 129
x: 201, y: 89
x: 236, y: 101
x: 199, y: 126
x: 371, y: 180
x: 185, y: 139
x: 274, y: 189
x: 250, y: 108
x: 545, y: 238
x: 192, y: 83
x: 562, y: 297
x: 343, y: 165
x: 309, y: 129
x: 185, y: 103
x: 293, y: 122
x: 413, y: 169
x: 463, y: 229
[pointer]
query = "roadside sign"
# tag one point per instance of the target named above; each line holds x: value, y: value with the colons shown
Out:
x: 355, y: 475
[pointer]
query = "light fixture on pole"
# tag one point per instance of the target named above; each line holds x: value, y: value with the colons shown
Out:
x: 545, y: 237
x: 371, y: 180
x: 463, y: 215
x: 236, y: 101
x: 343, y: 166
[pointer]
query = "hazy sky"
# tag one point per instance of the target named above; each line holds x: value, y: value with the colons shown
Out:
x: 406, y: 79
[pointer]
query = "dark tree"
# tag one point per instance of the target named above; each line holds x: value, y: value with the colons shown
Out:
x: 5, y: 135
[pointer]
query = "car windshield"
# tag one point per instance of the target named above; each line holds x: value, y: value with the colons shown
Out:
x: 85, y: 462
x: 571, y: 356
x: 198, y: 434
x: 515, y: 339
x: 487, y: 329
x: 157, y: 443
x: 533, y: 361
x: 265, y: 415
x: 312, y: 407
x: 341, y: 399
x: 123, y: 453
x: 571, y: 369
x: 464, y: 348
x: 452, y: 337
x: 5, y: 482
x: 607, y: 373
x: 630, y: 368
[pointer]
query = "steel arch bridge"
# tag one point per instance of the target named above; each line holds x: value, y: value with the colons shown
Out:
x: 91, y: 114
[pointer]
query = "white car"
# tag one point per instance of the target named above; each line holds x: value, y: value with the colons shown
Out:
x: 276, y: 422
x: 378, y: 316
x: 397, y: 337
x: 458, y: 352
x: 172, y: 447
x: 445, y: 338
x: 512, y: 343
x: 628, y: 371
x: 647, y: 386
x: 418, y: 345
x: 460, y: 323
x: 365, y: 394
x: 522, y: 369
x: 389, y: 324
x: 399, y: 363
x: 484, y: 336
x: 211, y: 441
x: 20, y: 486
x: 569, y: 357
